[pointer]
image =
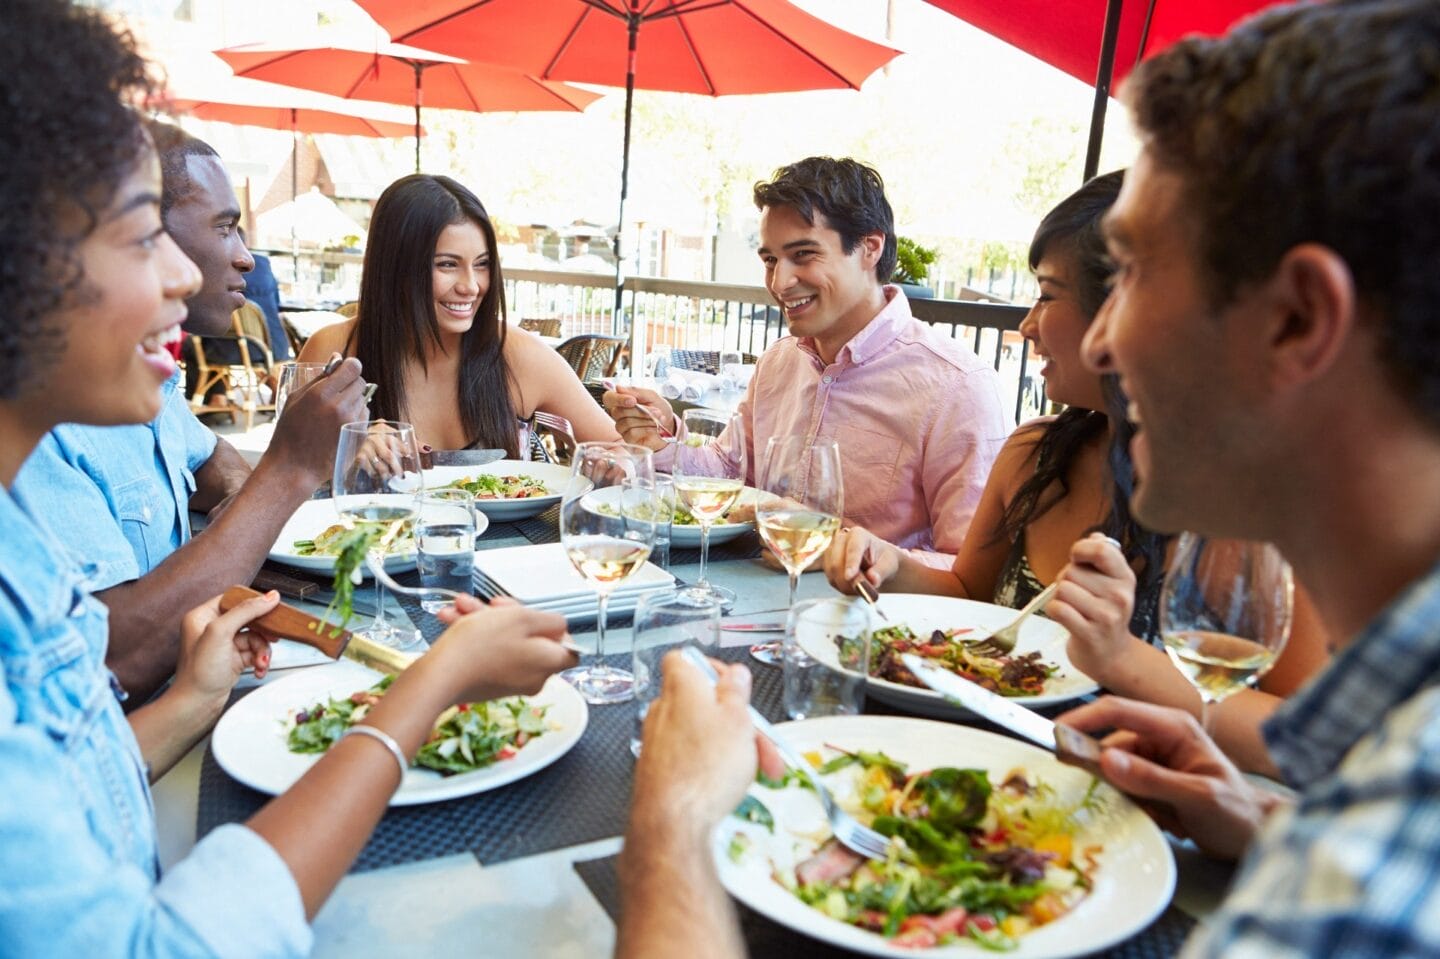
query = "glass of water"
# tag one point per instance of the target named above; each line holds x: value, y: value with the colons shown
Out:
x: 730, y: 365
x: 666, y: 620
x: 293, y: 376
x: 665, y: 502
x: 826, y: 657
x: 445, y: 543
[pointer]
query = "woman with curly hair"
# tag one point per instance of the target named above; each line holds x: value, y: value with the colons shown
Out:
x: 431, y: 329
x: 93, y: 291
x: 1059, y: 493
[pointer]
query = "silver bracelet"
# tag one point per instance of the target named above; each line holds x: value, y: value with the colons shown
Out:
x: 384, y: 739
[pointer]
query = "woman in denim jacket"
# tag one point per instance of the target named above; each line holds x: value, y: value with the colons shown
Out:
x: 91, y: 292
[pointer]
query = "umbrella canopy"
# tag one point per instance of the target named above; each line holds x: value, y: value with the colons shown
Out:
x: 396, y: 73
x: 310, y: 218
x: 275, y: 107
x: 717, y: 47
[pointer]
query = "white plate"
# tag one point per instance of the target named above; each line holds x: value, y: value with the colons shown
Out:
x: 249, y: 740
x: 1133, y: 884
x: 926, y: 613
x: 315, y: 516
x: 554, y: 477
x: 687, y: 536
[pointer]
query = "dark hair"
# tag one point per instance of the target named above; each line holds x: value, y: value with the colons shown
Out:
x: 396, y: 320
x: 174, y: 147
x: 850, y: 194
x: 1313, y: 123
x: 69, y: 139
x: 1073, y: 228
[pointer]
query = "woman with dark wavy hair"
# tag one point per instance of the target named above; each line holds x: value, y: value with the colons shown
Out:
x: 1060, y: 487
x: 431, y: 330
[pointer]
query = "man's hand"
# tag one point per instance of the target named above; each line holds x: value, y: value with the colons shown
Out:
x: 640, y: 415
x: 307, y: 435
x: 1161, y: 754
x: 857, y: 553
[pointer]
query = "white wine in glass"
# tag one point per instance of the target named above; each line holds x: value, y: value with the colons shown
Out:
x: 800, y: 503
x: 1225, y: 613
x: 608, y: 517
x: 710, y: 497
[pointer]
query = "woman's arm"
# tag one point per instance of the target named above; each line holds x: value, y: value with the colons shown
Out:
x: 546, y: 382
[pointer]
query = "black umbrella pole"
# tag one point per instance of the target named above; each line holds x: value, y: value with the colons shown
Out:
x: 418, y: 68
x: 625, y: 169
x: 1103, y: 75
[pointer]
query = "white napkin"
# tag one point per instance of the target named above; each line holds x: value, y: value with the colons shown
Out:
x: 735, y: 378
x: 543, y: 575
x: 688, y: 385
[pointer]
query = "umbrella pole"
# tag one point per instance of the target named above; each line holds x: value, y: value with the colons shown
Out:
x: 294, y: 192
x: 418, y: 68
x: 634, y: 23
x: 1103, y: 76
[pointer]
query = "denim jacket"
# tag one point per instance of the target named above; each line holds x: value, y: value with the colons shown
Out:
x: 79, y: 873
x: 118, y: 496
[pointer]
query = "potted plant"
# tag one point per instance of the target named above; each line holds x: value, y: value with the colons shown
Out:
x: 912, y: 266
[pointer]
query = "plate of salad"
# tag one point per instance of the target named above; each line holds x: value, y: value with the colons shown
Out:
x: 271, y: 737
x: 1037, y: 674
x: 313, y: 537
x: 1000, y: 846
x: 684, y: 530
x: 505, y: 489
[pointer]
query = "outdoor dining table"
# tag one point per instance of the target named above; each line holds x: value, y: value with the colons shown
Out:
x: 528, y: 869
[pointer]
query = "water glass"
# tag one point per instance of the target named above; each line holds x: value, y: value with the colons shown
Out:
x: 665, y: 499
x: 292, y: 377
x: 729, y: 366
x: 825, y: 657
x: 445, y: 543
x: 666, y: 620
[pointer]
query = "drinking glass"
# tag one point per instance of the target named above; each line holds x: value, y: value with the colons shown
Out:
x: 666, y: 502
x: 608, y: 515
x: 666, y: 620
x: 1225, y: 613
x: 801, y: 500
x: 292, y: 377
x: 709, y: 497
x: 812, y: 687
x: 445, y: 543
x: 376, y: 485
x: 729, y: 368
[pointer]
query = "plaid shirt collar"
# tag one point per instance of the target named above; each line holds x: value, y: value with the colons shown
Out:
x: 1397, y: 655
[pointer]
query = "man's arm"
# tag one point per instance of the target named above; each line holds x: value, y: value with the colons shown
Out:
x: 219, y: 478
x: 145, y: 614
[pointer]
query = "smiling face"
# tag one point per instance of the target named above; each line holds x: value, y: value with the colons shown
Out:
x: 128, y: 306
x: 1055, y: 327
x: 205, y: 222
x: 823, y: 291
x: 460, y: 275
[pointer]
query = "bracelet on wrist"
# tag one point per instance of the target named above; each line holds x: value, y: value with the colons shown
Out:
x: 384, y: 739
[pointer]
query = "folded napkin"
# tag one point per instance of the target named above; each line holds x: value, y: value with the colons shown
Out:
x: 735, y: 378
x: 688, y: 385
x: 543, y: 575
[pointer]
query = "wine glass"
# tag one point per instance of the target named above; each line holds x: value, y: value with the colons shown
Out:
x: 709, y: 497
x: 1225, y: 613
x: 293, y: 376
x: 608, y: 516
x: 376, y: 485
x: 800, y: 503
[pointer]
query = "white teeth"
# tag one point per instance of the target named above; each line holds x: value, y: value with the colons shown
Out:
x: 156, y: 342
x: 173, y: 335
x: 1132, y: 412
x: 458, y: 307
x: 792, y: 304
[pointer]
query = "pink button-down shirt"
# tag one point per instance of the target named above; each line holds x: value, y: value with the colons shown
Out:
x: 918, y: 418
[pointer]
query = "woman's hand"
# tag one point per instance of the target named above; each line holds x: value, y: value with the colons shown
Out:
x: 215, y: 647
x: 1094, y: 603
x: 856, y: 552
x: 503, y: 649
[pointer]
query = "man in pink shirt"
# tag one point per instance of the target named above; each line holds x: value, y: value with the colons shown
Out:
x: 918, y: 417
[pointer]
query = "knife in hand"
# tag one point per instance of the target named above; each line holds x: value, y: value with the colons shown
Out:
x: 429, y: 457
x: 287, y: 622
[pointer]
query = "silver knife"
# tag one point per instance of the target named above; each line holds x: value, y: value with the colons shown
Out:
x: 1069, y: 745
x: 429, y: 458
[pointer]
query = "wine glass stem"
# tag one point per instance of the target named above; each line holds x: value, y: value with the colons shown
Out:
x: 380, y: 621
x: 600, y: 667
x: 704, y: 553
x: 794, y: 582
x: 1207, y: 715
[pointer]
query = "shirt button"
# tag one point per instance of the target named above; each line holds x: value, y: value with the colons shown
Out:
x: 827, y: 379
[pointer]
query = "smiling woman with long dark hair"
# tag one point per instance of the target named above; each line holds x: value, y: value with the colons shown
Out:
x: 431, y: 331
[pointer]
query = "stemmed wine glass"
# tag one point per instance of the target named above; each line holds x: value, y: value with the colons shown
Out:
x: 608, y: 516
x: 376, y: 485
x: 709, y: 497
x: 1225, y: 613
x: 800, y: 503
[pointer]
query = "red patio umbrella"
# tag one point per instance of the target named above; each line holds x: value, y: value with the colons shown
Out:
x: 396, y: 73
x: 1099, y: 41
x: 717, y: 47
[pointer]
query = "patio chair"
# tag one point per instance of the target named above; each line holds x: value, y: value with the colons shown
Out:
x: 553, y: 438
x: 592, y: 356
x: 349, y: 310
x: 701, y: 361
x: 542, y: 327
x: 232, y: 367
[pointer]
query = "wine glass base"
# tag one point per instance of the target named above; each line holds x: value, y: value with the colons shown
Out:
x: 386, y: 634
x: 601, y: 685
x: 767, y: 653
x: 719, y: 594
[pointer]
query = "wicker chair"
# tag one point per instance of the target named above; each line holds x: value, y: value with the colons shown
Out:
x: 553, y: 438
x: 233, y: 366
x: 702, y: 361
x: 349, y: 310
x: 542, y: 327
x: 592, y: 356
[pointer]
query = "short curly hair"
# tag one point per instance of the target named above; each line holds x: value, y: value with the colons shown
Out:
x: 849, y: 193
x: 1314, y: 123
x: 69, y: 138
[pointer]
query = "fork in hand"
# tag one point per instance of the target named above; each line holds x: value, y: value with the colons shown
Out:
x: 846, y: 828
x: 1002, y: 641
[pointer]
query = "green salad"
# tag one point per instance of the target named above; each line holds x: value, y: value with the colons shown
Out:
x: 465, y: 738
x: 493, y: 486
x: 970, y: 860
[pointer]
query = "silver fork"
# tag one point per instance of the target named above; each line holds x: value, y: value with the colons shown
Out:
x: 1002, y: 641
x: 847, y: 829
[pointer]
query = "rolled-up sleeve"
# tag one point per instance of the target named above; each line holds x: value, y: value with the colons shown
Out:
x: 200, y: 440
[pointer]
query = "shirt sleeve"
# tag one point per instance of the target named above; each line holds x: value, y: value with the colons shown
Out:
x: 61, y: 894
x: 59, y: 489
x: 200, y: 440
x: 961, y: 444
